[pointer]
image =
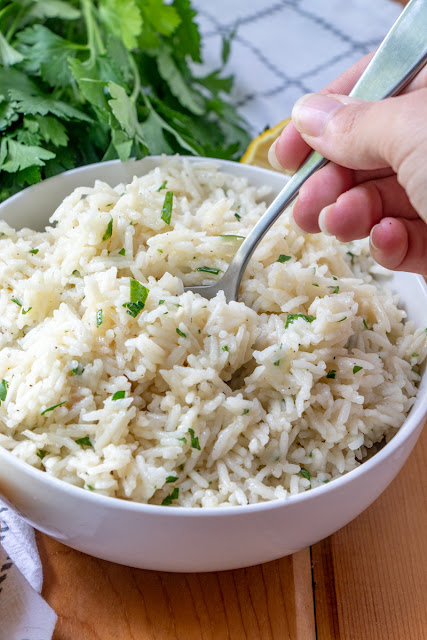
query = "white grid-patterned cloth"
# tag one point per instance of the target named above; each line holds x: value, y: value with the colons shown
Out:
x: 281, y: 50
x: 286, y: 48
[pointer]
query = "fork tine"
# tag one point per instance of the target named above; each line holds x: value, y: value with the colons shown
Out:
x: 207, y: 291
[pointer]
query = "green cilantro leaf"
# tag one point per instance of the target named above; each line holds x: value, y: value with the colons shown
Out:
x: 84, y: 442
x: 20, y: 156
x: 52, y: 130
x: 55, y: 406
x: 283, y: 258
x: 119, y: 395
x: 87, y: 81
x: 178, y: 85
x: 138, y: 297
x: 216, y: 83
x: 187, y: 36
x: 8, y: 55
x: 108, y: 231
x: 194, y: 440
x: 3, y: 390
x: 226, y: 46
x: 37, y: 103
x: 356, y: 368
x: 47, y: 54
x: 123, y: 19
x: 77, y: 371
x: 125, y: 111
x: 209, y: 270
x: 162, y: 18
x: 305, y: 474
x: 173, y: 496
x: 54, y: 9
x: 294, y: 316
x: 167, y: 208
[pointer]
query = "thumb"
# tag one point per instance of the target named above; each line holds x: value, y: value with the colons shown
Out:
x: 370, y: 135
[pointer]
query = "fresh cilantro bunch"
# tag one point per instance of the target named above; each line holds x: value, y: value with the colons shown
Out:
x: 84, y: 81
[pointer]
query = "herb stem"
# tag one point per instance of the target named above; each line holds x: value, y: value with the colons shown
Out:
x: 137, y: 86
x: 95, y: 44
x: 15, y: 23
x: 5, y: 10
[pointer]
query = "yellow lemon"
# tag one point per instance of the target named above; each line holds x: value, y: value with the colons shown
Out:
x: 257, y: 152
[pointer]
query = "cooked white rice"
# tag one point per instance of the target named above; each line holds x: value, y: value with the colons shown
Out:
x: 224, y: 404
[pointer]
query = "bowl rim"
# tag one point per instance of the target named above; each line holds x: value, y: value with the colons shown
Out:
x: 415, y: 417
x: 245, y: 168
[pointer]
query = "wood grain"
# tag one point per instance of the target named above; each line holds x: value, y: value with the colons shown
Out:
x: 95, y: 600
x: 371, y: 577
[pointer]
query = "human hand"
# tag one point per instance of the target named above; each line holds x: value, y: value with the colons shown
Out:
x: 376, y: 182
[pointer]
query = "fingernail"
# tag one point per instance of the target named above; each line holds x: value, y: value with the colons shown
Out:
x: 272, y: 158
x: 322, y: 221
x: 371, y: 236
x: 311, y: 113
x: 294, y: 224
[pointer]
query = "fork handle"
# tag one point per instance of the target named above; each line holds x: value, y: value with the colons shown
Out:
x: 401, y: 55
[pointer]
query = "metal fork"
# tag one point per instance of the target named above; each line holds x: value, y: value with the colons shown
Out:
x: 400, y: 56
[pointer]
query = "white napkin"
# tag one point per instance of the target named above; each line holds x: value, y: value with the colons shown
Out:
x: 282, y: 49
x: 24, y: 615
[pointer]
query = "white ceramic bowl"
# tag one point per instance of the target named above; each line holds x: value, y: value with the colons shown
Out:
x: 183, y: 539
